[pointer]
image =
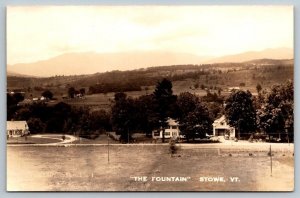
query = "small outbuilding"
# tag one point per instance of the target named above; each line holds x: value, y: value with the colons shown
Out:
x: 222, y: 128
x: 17, y: 128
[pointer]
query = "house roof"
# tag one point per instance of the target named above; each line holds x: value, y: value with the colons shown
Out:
x: 15, y: 125
x: 172, y: 122
x: 221, y: 123
x: 221, y: 119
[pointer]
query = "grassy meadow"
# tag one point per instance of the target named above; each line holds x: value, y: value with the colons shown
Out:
x: 87, y: 168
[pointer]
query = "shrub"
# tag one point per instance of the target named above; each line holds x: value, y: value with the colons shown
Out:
x: 172, y: 147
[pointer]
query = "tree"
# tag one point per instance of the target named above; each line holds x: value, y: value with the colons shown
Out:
x: 47, y: 94
x: 212, y: 97
x: 123, y: 116
x: 36, y: 125
x: 57, y: 117
x: 71, y: 92
x: 82, y: 91
x: 258, y: 88
x: 10, y: 100
x: 163, y: 99
x: 146, y: 119
x: 215, y: 109
x: 277, y: 113
x: 99, y: 121
x: 186, y: 103
x: 196, y: 123
x: 11, y: 106
x: 240, y: 111
x: 219, y: 91
x: 18, y: 97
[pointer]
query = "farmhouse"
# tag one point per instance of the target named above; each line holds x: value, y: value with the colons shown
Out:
x: 221, y: 128
x: 17, y: 128
x: 172, y: 130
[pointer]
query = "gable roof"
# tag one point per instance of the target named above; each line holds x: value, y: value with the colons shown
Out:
x: 221, y: 119
x: 16, y: 125
x: 172, y: 122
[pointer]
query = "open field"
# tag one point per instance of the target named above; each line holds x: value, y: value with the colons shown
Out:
x: 30, y: 140
x: 86, y: 168
x: 105, y: 101
x: 41, y: 139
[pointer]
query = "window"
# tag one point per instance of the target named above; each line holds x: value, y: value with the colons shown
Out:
x: 167, y: 133
x: 156, y: 133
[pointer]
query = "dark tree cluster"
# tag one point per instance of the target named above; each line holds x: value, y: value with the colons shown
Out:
x: 213, y: 97
x: 276, y: 115
x: 240, y: 112
x: 150, y: 112
x: 194, y: 117
x: 12, y: 103
x: 72, y: 92
x: 269, y: 113
x: 47, y: 94
x: 63, y: 118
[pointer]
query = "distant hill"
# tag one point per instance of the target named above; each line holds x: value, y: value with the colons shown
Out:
x: 10, y: 73
x: 271, y: 61
x: 90, y: 62
x: 265, y: 71
x: 278, y: 53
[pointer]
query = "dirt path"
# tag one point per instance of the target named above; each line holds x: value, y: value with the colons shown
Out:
x: 68, y: 138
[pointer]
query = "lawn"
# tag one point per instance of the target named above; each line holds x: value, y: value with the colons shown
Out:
x: 30, y: 140
x: 86, y: 168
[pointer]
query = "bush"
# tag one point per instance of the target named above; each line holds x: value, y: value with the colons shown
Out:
x: 89, y: 134
x: 172, y: 147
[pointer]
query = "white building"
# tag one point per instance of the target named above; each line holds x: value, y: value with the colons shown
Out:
x: 172, y: 130
x: 17, y: 128
x: 221, y: 128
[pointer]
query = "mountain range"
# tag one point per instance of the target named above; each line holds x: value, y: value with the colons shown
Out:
x: 91, y: 62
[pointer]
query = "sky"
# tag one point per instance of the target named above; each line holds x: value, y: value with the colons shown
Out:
x: 41, y: 32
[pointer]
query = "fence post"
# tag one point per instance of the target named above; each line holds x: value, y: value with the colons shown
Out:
x: 271, y: 159
x: 107, y: 148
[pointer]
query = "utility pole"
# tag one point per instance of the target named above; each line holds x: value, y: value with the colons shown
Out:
x: 239, y: 129
x: 107, y: 148
x: 271, y: 159
x: 127, y: 136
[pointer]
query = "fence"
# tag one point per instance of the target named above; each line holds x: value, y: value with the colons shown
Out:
x: 270, y: 137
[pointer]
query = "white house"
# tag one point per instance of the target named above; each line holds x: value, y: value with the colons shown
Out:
x: 17, y: 128
x: 172, y: 130
x: 221, y: 128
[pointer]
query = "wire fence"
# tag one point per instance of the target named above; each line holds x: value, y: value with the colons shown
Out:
x: 270, y: 137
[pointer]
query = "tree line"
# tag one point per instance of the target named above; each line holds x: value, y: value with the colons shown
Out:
x: 269, y: 113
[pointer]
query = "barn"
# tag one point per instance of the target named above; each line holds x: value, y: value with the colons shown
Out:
x: 221, y: 128
x: 17, y: 128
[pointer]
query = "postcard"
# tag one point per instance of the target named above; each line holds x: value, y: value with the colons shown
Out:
x: 150, y: 98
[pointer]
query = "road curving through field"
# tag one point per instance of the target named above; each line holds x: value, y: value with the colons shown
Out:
x: 68, y: 138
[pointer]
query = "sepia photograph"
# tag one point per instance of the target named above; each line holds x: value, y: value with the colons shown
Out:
x: 150, y: 98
